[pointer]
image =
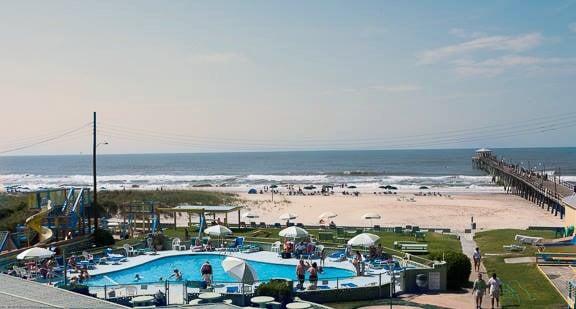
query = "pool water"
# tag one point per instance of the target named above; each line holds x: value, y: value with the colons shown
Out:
x: 189, y: 266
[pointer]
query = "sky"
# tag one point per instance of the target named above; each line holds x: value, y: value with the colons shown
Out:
x: 196, y: 76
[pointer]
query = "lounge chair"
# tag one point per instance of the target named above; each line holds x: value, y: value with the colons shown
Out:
x: 177, y: 244
x: 250, y: 249
x: 337, y: 256
x: 237, y: 245
x: 113, y: 257
x: 129, y: 250
x: 349, y: 285
x: 514, y: 248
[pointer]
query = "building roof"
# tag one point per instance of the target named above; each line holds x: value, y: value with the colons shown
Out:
x: 201, y: 208
x: 483, y: 150
x: 19, y: 293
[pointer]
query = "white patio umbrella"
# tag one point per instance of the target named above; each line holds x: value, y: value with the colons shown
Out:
x: 239, y: 269
x: 371, y: 216
x: 327, y: 215
x: 364, y: 240
x: 288, y: 216
x: 250, y: 215
x: 35, y: 253
x: 293, y: 232
x: 218, y: 231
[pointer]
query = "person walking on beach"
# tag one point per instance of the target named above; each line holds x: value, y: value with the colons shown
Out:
x: 494, y: 288
x: 478, y: 290
x: 477, y: 257
x: 301, y: 274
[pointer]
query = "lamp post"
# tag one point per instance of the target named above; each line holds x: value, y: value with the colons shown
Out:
x: 391, y: 266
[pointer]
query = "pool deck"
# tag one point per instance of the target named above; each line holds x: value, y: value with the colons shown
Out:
x: 373, y: 277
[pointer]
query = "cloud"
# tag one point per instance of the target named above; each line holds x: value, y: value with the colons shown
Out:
x: 572, y: 27
x: 398, y: 88
x: 496, y: 66
x: 217, y: 58
x: 461, y: 33
x: 490, y: 43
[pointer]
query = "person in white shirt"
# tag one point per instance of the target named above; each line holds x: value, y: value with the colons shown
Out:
x: 476, y: 256
x: 495, y: 288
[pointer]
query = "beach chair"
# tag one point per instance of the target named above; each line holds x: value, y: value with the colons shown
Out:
x: 177, y: 245
x: 129, y: 250
x: 376, y: 227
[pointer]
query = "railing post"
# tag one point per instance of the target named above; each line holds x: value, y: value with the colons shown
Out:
x: 105, y: 292
x: 380, y: 285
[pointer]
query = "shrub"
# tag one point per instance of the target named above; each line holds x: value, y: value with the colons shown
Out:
x: 103, y: 238
x: 279, y: 289
x: 459, y: 268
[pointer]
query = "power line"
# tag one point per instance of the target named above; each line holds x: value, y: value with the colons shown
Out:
x: 45, y: 140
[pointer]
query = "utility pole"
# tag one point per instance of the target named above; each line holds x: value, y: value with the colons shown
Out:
x: 95, y: 200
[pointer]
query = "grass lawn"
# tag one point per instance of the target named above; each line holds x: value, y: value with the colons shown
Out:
x: 525, y: 286
x: 435, y: 241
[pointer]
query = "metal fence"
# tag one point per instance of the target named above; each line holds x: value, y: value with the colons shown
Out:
x: 182, y: 292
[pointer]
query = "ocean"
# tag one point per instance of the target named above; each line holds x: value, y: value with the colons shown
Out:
x: 445, y: 169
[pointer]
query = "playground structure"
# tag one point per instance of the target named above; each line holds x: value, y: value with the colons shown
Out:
x: 138, y: 217
x: 60, y: 214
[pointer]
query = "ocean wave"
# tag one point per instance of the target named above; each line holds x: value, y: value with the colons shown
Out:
x: 188, y: 181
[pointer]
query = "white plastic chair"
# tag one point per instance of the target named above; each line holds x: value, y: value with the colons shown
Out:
x: 276, y: 247
x: 176, y: 244
x: 131, y: 291
x: 129, y: 250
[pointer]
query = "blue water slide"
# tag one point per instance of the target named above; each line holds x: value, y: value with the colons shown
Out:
x: 69, y: 197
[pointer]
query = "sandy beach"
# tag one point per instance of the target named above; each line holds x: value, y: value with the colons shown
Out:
x: 490, y: 210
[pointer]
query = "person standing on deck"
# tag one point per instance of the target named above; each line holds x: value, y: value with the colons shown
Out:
x: 301, y: 274
x: 477, y: 257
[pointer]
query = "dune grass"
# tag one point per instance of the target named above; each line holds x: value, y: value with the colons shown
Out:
x: 525, y: 286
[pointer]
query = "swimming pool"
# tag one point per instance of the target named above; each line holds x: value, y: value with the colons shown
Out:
x: 190, y: 265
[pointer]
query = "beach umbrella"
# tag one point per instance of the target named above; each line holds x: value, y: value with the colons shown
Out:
x: 251, y: 215
x: 274, y: 186
x: 288, y: 216
x: 239, y: 269
x: 252, y: 191
x: 327, y: 215
x: 293, y: 232
x: 371, y: 216
x: 309, y: 187
x: 218, y: 231
x: 423, y: 188
x: 35, y: 253
x: 364, y: 240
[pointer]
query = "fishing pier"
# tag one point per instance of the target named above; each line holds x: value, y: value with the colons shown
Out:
x: 538, y: 187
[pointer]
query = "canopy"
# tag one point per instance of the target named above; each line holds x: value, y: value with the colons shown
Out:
x: 288, y: 216
x: 218, y: 230
x: 327, y: 215
x: 274, y: 186
x: 370, y: 216
x: 293, y: 232
x: 239, y: 269
x: 364, y: 239
x: 423, y: 188
x: 252, y: 191
x: 35, y: 253
x: 250, y: 215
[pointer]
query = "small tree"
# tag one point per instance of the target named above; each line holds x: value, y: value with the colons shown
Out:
x: 459, y: 268
x: 103, y: 238
x: 279, y: 289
